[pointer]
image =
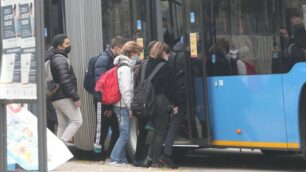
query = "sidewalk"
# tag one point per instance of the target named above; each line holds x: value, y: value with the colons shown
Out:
x: 89, y: 166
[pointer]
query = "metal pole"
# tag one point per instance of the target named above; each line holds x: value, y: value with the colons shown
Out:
x: 3, y: 141
x: 41, y: 98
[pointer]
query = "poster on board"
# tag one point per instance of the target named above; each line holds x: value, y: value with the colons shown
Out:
x: 22, y: 140
x: 18, y: 64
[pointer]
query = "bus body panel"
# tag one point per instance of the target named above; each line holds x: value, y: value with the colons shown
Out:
x: 247, y: 109
x: 293, y: 83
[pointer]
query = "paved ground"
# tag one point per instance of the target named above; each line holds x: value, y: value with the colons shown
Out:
x: 208, y: 161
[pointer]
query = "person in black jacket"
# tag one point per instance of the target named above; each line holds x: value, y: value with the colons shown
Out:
x: 66, y: 100
x: 106, y: 118
x: 165, y: 91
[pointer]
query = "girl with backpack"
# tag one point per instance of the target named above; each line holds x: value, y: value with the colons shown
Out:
x: 130, y: 55
x: 165, y: 90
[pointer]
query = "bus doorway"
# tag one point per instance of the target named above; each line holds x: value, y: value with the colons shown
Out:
x: 181, y: 23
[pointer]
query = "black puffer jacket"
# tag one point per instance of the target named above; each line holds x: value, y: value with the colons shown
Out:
x: 63, y: 74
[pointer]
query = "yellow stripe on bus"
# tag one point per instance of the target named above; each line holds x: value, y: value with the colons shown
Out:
x: 255, y: 144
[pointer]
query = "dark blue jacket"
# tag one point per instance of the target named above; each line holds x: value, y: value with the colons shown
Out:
x: 103, y: 64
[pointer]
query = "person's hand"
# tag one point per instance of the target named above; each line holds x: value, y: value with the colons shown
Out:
x: 283, y: 32
x: 108, y: 113
x: 175, y: 110
x: 131, y: 114
x: 77, y: 103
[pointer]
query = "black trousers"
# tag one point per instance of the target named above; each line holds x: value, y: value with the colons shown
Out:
x: 160, y: 121
x: 175, y: 123
x: 141, y: 147
x: 106, y: 123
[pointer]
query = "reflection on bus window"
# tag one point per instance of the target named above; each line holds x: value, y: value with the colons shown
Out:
x: 260, y: 37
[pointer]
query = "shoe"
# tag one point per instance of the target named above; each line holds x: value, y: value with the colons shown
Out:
x: 147, y: 163
x: 167, y: 162
x: 137, y: 163
x: 157, y: 165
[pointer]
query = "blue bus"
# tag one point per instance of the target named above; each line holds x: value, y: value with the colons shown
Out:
x: 245, y: 69
x: 264, y: 109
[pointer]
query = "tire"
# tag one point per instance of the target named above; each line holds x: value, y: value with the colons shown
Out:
x: 133, y: 139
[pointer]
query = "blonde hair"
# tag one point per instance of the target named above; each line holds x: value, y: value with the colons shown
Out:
x: 157, y: 50
x: 131, y: 47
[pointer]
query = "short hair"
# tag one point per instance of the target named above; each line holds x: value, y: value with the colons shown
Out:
x: 58, y: 40
x: 223, y: 44
x: 157, y: 50
x: 167, y: 48
x: 118, y: 41
x: 131, y: 47
x: 150, y: 45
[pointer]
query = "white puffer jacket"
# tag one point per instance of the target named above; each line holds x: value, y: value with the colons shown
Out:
x: 125, y: 80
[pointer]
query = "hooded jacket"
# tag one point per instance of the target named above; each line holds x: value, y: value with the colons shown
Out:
x: 125, y: 81
x: 63, y: 74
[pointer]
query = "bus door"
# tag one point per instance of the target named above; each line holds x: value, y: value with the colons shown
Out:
x: 180, y: 25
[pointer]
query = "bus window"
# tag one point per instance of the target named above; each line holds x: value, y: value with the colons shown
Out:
x: 293, y: 34
x: 115, y: 19
x: 250, y: 31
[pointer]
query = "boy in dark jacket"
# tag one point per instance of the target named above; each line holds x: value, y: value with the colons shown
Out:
x: 66, y: 100
x: 106, y: 117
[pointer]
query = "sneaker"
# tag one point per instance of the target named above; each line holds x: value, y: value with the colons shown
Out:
x: 149, y: 127
x: 117, y: 164
x: 167, y: 162
x: 147, y: 163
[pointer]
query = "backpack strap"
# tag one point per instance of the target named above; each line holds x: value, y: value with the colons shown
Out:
x: 123, y: 64
x: 156, y: 69
x: 143, y: 71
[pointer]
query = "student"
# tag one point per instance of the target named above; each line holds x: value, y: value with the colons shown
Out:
x: 177, y: 64
x: 130, y: 55
x: 141, y: 147
x: 66, y: 100
x: 107, y: 117
x: 165, y: 91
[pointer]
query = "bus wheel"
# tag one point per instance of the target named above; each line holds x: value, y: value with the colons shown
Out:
x: 133, y: 139
x: 277, y: 152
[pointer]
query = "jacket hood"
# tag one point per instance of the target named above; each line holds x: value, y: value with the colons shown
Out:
x: 52, y: 51
x: 123, y: 59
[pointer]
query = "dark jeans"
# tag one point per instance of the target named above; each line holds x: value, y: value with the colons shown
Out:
x: 105, y: 124
x: 141, y: 147
x: 160, y: 121
x: 175, y: 123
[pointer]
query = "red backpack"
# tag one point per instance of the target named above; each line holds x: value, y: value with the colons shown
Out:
x: 109, y: 87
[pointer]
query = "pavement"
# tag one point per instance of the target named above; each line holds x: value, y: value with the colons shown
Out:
x: 208, y: 160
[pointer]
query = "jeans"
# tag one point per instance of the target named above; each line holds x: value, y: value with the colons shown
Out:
x: 119, y: 152
x: 69, y: 118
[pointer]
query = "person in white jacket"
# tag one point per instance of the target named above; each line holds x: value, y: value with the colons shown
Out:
x: 130, y: 55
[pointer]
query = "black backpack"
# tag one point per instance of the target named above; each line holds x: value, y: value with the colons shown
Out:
x: 143, y: 104
x: 89, y: 79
